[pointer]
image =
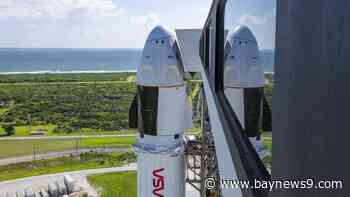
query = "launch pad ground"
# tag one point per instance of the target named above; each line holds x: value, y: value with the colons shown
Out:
x: 38, y: 182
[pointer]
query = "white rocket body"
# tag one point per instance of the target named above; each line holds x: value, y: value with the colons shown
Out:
x: 164, y: 114
x: 244, y: 81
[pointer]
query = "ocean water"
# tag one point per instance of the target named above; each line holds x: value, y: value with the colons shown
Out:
x: 14, y: 61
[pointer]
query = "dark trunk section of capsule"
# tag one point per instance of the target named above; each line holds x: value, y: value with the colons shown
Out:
x: 253, y: 103
x: 147, y: 121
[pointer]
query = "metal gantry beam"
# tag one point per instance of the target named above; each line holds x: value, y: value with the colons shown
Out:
x: 201, y: 157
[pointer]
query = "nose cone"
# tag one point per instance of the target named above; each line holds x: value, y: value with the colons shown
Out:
x: 243, y: 68
x: 159, y: 32
x: 243, y: 33
x: 160, y: 63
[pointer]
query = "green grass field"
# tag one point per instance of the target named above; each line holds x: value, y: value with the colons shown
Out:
x: 115, y: 184
x: 268, y: 145
x: 26, y: 147
x: 2, y: 133
x: 23, y: 131
x: 65, y: 164
x: 15, y: 148
x: 268, y: 140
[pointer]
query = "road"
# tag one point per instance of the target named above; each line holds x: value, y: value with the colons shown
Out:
x: 51, y: 155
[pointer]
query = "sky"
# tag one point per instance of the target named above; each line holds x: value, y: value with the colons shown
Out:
x: 119, y: 23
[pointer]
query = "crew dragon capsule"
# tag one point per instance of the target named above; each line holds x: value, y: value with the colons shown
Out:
x: 244, y: 83
x: 161, y: 113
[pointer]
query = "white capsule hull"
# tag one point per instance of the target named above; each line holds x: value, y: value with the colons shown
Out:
x: 163, y: 115
x: 160, y: 175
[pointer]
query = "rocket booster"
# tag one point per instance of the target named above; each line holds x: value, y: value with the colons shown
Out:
x: 163, y: 115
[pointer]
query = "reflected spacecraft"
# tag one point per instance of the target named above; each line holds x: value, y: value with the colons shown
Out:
x: 244, y: 83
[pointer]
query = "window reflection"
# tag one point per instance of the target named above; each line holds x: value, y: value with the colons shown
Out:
x: 249, y: 24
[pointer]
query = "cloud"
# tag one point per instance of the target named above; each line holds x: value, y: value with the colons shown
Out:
x: 251, y: 19
x: 204, y: 10
x: 59, y: 8
x: 150, y: 20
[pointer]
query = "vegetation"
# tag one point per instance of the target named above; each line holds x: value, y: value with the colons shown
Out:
x: 22, y: 131
x: 26, y: 130
x: 115, y: 184
x: 65, y: 164
x: 72, y: 107
x: 29, y: 147
x: 64, y: 104
x: 71, y: 104
x: 267, y: 139
x: 73, y: 77
x: 8, y: 128
x: 268, y: 94
x: 268, y: 162
x: 270, y: 77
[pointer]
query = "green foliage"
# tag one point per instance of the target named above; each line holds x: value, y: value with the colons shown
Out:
x: 267, y: 161
x: 63, y: 128
x: 76, y: 102
x: 195, y: 87
x: 73, y: 77
x: 128, y: 157
x: 9, y: 128
x: 268, y: 94
x: 269, y: 77
x: 98, y: 106
x: 267, y: 139
x: 115, y: 184
x: 131, y: 78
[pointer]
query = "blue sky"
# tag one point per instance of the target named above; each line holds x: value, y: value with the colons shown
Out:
x: 118, y: 23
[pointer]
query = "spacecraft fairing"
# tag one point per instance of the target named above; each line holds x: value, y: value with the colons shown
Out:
x: 163, y: 115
